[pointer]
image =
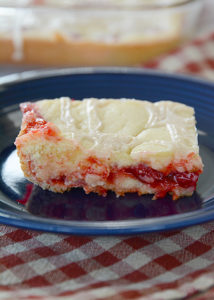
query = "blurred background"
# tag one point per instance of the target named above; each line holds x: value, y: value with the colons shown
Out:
x: 70, y: 33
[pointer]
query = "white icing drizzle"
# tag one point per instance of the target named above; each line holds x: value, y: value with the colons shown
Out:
x: 152, y: 120
x: 172, y: 132
x: 65, y: 114
x: 89, y: 109
x: 94, y: 123
x: 18, y: 35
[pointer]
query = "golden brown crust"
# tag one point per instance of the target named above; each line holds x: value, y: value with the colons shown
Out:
x: 62, y: 52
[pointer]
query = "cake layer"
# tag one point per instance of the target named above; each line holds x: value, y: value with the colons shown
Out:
x: 124, y: 145
x: 62, y: 52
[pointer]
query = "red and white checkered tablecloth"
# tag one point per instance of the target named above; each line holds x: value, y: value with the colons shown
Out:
x: 158, y: 266
x: 195, y: 58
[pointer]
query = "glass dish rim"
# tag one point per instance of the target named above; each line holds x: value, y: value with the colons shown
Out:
x: 110, y: 7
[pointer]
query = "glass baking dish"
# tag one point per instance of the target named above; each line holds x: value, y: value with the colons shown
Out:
x: 93, y: 33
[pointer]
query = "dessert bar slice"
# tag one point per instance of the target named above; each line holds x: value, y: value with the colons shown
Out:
x: 122, y: 145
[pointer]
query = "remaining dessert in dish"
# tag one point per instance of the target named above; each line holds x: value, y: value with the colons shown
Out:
x: 122, y: 145
x: 86, y: 33
x: 93, y: 32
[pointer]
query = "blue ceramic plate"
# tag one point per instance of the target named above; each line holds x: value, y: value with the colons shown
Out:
x: 77, y: 213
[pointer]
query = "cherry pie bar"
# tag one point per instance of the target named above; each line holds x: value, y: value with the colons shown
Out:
x: 101, y: 145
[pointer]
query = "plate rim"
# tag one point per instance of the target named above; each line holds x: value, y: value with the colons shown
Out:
x: 18, y: 77
x: 127, y: 227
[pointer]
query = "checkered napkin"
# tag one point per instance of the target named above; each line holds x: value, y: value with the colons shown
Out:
x: 195, y: 58
x: 157, y: 266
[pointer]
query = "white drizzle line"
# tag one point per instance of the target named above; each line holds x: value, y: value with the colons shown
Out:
x: 173, y: 132
x: 17, y: 35
x: 152, y: 120
x: 92, y: 115
x: 201, y: 132
x: 65, y: 114
x: 89, y: 108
